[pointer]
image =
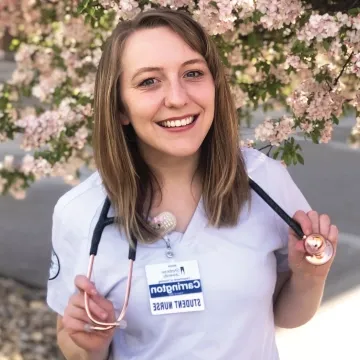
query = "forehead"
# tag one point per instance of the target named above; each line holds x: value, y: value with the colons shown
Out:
x: 155, y: 47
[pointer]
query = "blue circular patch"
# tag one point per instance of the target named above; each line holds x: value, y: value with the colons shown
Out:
x: 54, y: 266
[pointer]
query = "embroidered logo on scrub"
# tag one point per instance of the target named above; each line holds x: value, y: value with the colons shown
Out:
x: 54, y: 265
x: 174, y: 287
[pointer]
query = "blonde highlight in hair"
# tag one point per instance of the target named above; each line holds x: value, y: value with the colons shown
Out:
x: 127, y: 178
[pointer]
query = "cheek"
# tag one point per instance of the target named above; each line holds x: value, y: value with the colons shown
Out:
x: 205, y: 97
x: 143, y: 108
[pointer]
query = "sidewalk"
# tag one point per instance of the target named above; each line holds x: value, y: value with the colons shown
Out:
x: 333, y: 333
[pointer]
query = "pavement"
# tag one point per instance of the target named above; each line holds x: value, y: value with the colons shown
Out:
x: 330, y: 180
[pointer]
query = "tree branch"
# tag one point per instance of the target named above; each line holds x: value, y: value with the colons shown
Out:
x: 343, y: 69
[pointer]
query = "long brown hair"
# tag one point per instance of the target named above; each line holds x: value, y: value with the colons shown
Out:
x: 128, y: 180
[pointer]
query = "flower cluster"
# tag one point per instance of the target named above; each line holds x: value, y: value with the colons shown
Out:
x: 278, y: 54
x: 275, y: 132
x: 315, y: 101
x: 278, y: 13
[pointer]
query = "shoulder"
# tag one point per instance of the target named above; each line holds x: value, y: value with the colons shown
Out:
x: 82, y: 200
x: 259, y: 165
x: 274, y: 178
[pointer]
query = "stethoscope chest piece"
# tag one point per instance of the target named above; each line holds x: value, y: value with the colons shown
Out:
x: 319, y: 250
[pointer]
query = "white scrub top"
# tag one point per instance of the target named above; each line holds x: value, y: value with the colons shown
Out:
x: 237, y: 265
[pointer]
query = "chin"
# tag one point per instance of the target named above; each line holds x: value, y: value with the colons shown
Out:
x: 184, y: 151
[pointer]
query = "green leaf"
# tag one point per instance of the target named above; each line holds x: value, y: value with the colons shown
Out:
x: 354, y: 12
x: 257, y: 15
x: 300, y: 159
x: 214, y: 4
x: 327, y: 44
x: 335, y: 120
x: 344, y: 49
x: 276, y: 153
x: 253, y: 40
x: 83, y: 6
x: 272, y: 88
x: 314, y: 138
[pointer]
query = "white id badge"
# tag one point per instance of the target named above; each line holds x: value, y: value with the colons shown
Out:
x: 174, y: 287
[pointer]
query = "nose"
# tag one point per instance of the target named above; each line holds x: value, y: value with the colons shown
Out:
x: 176, y: 94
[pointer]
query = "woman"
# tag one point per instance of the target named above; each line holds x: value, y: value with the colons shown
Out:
x: 166, y: 140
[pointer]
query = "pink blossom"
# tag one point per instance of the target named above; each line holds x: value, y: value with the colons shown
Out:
x: 249, y: 143
x: 240, y: 98
x: 17, y: 189
x: 38, y: 167
x: 47, y: 84
x: 174, y: 4
x: 216, y: 21
x: 326, y: 132
x: 124, y: 9
x: 275, y: 131
x: 22, y: 77
x: 39, y: 130
x: 315, y: 101
x: 277, y: 13
x: 8, y: 163
x: 79, y: 140
x: 236, y: 56
x: 319, y: 27
x: 307, y: 126
x: 355, y: 68
x: 295, y: 62
x: 24, y: 54
x: 279, y: 73
x: 68, y: 171
x: 355, y: 102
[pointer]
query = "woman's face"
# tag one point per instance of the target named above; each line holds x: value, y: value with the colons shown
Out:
x: 168, y: 92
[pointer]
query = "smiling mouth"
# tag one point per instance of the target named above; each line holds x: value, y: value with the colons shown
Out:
x: 178, y: 123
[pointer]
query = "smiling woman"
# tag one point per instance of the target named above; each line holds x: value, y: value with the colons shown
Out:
x: 216, y: 269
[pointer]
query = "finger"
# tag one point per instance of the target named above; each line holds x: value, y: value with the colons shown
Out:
x: 96, y: 309
x: 314, y: 218
x: 84, y: 284
x: 333, y: 234
x: 78, y: 314
x: 299, y: 246
x: 103, y: 303
x: 75, y: 325
x: 324, y: 222
x: 304, y: 221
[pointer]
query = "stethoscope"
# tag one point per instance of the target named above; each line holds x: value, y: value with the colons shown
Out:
x: 318, y: 252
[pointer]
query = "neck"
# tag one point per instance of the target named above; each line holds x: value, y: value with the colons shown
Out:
x: 173, y: 171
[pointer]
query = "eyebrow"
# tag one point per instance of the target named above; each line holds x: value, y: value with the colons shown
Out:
x: 155, y: 68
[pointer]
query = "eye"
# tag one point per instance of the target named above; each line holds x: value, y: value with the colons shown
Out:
x: 147, y: 82
x: 194, y: 73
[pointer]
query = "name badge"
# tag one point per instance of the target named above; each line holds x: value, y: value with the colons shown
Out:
x: 174, y: 287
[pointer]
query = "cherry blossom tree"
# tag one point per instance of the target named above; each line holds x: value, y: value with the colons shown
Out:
x: 297, y: 58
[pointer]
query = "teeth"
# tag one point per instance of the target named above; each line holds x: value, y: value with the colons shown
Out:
x: 178, y: 123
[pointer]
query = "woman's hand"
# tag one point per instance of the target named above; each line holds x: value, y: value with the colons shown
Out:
x: 311, y: 223
x: 76, y: 322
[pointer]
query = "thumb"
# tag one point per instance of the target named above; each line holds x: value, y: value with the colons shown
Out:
x: 296, y: 245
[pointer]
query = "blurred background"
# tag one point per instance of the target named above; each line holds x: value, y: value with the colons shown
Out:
x: 329, y: 179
